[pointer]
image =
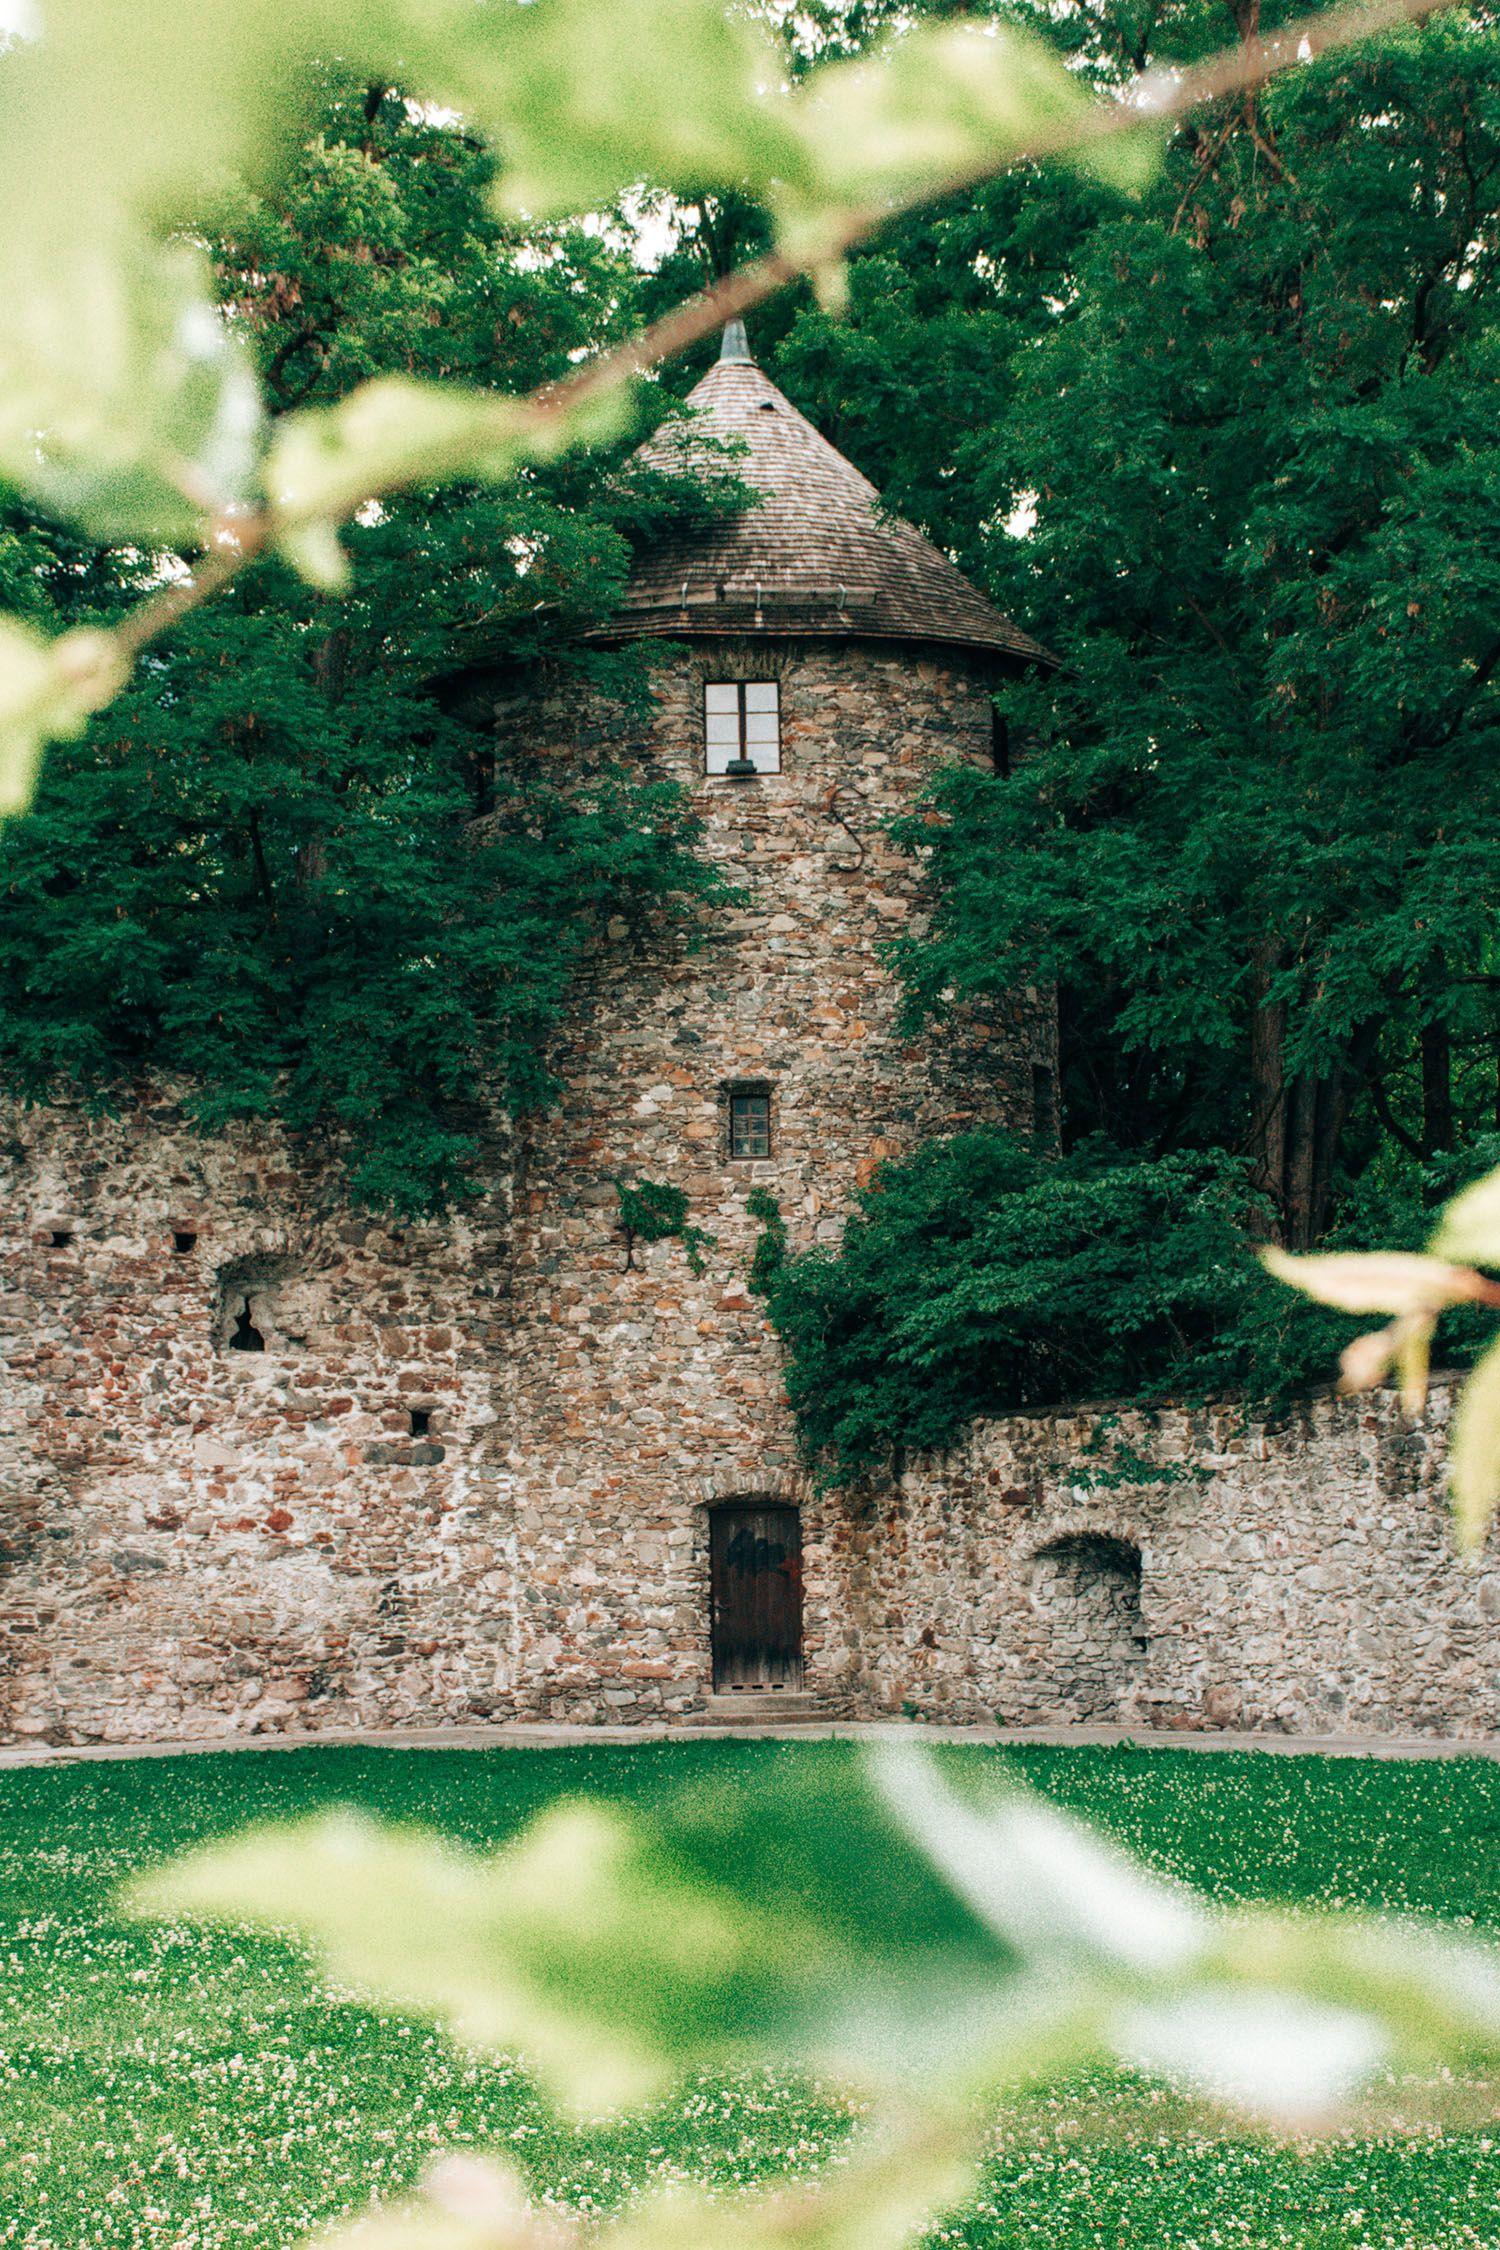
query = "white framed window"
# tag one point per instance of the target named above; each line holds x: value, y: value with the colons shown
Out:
x: 741, y: 724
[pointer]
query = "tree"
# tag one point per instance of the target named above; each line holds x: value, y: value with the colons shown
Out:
x: 281, y: 869
x: 1255, y: 836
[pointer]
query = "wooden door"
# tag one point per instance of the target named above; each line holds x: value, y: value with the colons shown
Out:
x: 755, y: 1561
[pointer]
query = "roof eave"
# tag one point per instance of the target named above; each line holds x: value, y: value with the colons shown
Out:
x: 731, y: 622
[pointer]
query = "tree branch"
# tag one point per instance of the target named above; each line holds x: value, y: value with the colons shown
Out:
x: 1389, y: 1119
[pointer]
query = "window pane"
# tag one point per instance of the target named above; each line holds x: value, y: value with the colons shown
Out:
x: 740, y: 718
x: 749, y: 1124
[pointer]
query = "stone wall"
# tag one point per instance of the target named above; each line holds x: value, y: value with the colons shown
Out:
x: 1296, y: 1574
x: 195, y: 1538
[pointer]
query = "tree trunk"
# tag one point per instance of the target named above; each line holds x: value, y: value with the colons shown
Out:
x: 1334, y: 1094
x: 1298, y: 1201
x: 1268, y: 1101
x: 1437, y: 1089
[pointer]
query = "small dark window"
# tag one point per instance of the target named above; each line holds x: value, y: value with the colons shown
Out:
x: 741, y: 726
x: 482, y: 779
x: 750, y: 1121
x: 182, y: 1243
x: 1000, y: 744
x: 421, y: 1420
x: 1043, y: 1095
x: 61, y: 1237
x: 247, y: 1337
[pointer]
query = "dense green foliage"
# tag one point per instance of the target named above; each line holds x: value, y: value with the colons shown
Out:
x: 282, y: 867
x: 165, y: 2085
x: 982, y: 1275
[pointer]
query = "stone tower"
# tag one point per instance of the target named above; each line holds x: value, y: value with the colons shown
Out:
x: 824, y: 660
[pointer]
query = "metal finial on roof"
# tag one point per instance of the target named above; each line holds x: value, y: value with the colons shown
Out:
x: 735, y: 348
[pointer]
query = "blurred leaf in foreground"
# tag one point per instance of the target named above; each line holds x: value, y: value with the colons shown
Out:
x: 47, y: 691
x: 949, y: 102
x: 1469, y: 1228
x: 1474, y: 1456
x: 1416, y: 1289
x: 877, y: 1918
x: 780, y: 1916
x: 895, y: 2184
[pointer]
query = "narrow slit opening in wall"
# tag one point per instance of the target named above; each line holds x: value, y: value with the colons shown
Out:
x: 421, y: 1420
x: 1000, y: 744
x: 61, y: 1237
x: 1042, y: 1096
x: 183, y: 1241
x: 247, y: 1337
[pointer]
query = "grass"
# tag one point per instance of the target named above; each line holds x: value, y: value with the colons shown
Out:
x: 166, y: 2090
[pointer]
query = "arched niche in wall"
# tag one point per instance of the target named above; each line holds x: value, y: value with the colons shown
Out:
x: 267, y: 1303
x: 1085, y: 1591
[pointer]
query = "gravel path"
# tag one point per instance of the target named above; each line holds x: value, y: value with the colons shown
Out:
x: 517, y: 1735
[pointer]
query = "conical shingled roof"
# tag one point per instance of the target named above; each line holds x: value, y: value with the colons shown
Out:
x: 815, y: 556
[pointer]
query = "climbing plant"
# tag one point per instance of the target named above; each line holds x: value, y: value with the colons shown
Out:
x: 656, y: 1211
x: 769, y: 1254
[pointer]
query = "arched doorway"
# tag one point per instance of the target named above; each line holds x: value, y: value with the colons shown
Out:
x: 755, y: 1581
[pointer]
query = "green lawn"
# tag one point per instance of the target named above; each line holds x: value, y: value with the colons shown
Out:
x: 165, y: 2089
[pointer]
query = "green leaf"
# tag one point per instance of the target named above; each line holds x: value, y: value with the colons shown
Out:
x: 1469, y: 1228
x: 745, y: 1921
x: 1474, y: 1454
x: 127, y: 405
x: 947, y: 103
x: 1388, y: 1281
x: 1043, y: 1882
x: 1281, y: 2014
x: 581, y: 1903
x: 877, y: 2200
x: 585, y: 100
x: 880, y: 2200
x: 393, y: 432
x: 47, y: 691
